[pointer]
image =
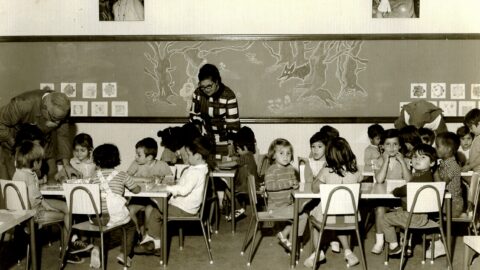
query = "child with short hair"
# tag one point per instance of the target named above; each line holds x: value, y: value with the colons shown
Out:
x: 82, y: 157
x: 28, y: 159
x: 424, y: 161
x: 187, y: 194
x: 449, y: 172
x: 372, y: 152
x: 466, y: 138
x: 107, y: 157
x: 427, y: 135
x: 330, y: 131
x: 391, y: 165
x: 411, y: 138
x: 244, y: 143
x: 145, y: 168
x: 280, y: 179
x: 316, y: 161
x: 341, y: 168
x: 174, y: 140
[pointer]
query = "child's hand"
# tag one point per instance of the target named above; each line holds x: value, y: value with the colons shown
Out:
x: 399, y: 157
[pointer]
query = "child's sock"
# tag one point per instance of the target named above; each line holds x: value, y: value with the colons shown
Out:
x: 74, y: 238
x: 156, y: 243
x: 379, y: 239
x: 393, y: 245
x: 347, y: 251
x: 147, y: 238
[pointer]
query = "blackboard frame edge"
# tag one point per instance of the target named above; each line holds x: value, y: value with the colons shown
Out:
x: 240, y: 37
x: 283, y: 120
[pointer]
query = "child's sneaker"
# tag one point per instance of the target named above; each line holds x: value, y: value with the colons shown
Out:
x: 95, y: 258
x: 78, y: 246
x: 397, y: 250
x: 284, y: 242
x: 238, y: 214
x: 74, y: 259
x: 309, y: 262
x: 120, y: 260
x: 439, y: 250
x: 335, y: 246
x: 351, y: 259
x: 377, y: 249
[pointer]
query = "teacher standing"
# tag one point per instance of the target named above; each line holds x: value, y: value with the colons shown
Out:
x: 47, y: 110
x: 215, y: 104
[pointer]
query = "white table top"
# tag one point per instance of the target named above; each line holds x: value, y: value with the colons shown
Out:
x: 473, y: 242
x: 11, y: 218
x: 367, y: 171
x: 153, y: 191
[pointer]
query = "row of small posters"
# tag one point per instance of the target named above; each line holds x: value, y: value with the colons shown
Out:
x: 452, y: 107
x: 89, y: 90
x: 439, y: 91
x: 98, y: 108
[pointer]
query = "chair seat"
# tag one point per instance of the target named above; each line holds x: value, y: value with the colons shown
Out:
x: 334, y: 226
x: 430, y: 225
x: 462, y: 219
x: 49, y: 222
x: 192, y: 218
x: 87, y: 226
x: 266, y: 216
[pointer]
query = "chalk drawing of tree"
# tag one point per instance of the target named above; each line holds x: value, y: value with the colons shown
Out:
x: 160, y: 72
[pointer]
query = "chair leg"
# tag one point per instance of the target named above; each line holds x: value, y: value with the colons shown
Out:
x: 102, y: 252
x: 404, y: 249
x: 180, y: 237
x: 65, y: 249
x: 252, y: 249
x: 386, y: 249
x: 124, y: 230
x: 447, y: 248
x: 247, y: 236
x: 207, y: 225
x: 207, y: 244
x: 317, y: 249
x: 360, y: 245
x: 27, y: 266
x: 424, y: 242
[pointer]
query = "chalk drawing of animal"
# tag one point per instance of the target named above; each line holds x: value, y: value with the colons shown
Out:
x: 292, y: 71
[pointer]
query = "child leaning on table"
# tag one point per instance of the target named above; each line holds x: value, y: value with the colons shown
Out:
x: 280, y: 180
x: 390, y: 165
x: 28, y: 159
x: 424, y: 161
x: 107, y: 157
x: 82, y: 157
x: 341, y: 168
x: 145, y: 168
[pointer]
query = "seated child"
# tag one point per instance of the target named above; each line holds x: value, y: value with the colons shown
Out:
x: 411, y: 138
x: 187, y: 194
x: 372, y: 152
x: 427, y: 135
x: 107, y: 157
x: 316, y: 161
x: 424, y: 161
x: 145, y: 168
x: 82, y: 158
x: 29, y: 132
x: 28, y: 159
x: 341, y: 168
x: 466, y: 138
x: 391, y: 165
x: 280, y: 179
x: 174, y: 140
x: 244, y: 143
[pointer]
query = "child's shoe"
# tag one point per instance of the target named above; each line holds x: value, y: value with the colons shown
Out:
x: 335, y: 246
x: 377, y: 249
x: 238, y: 214
x: 397, y: 250
x: 120, y: 260
x: 439, y: 250
x: 79, y: 246
x: 95, y: 258
x: 351, y: 259
x: 309, y: 262
x: 284, y: 242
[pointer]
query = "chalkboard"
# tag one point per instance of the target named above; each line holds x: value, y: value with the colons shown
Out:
x: 271, y: 78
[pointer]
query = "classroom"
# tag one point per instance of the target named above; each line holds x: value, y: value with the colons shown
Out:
x: 292, y: 67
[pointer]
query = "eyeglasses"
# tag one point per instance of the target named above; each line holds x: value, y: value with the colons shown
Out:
x: 207, y: 87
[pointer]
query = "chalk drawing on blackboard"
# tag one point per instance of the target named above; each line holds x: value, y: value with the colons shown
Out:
x: 186, y: 93
x: 252, y: 58
x: 47, y: 86
x: 69, y: 89
x: 418, y: 90
x: 349, y: 65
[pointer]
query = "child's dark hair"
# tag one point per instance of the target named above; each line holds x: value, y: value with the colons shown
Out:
x: 410, y: 135
x: 472, y: 117
x: 463, y: 131
x: 426, y: 135
x: 450, y: 140
x: 149, y: 145
x: 245, y: 138
x: 320, y: 137
x: 28, y: 132
x: 83, y: 140
x: 175, y: 138
x: 427, y: 150
x: 27, y: 152
x: 375, y: 130
x: 391, y: 133
x: 330, y: 131
x: 272, y: 148
x: 209, y: 71
x: 339, y: 157
x: 106, y: 156
x: 202, y: 145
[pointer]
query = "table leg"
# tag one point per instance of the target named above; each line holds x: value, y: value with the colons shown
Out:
x: 293, y: 255
x: 449, y: 226
x: 33, y: 247
x: 466, y: 258
x: 164, y: 205
x: 232, y: 211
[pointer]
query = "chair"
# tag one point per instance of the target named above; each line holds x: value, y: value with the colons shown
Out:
x: 471, y: 220
x: 84, y: 199
x: 214, y: 213
x: 257, y: 217
x: 338, y: 200
x: 423, y: 198
x: 14, y: 194
x: 199, y: 218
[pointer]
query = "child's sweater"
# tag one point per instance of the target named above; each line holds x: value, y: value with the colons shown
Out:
x: 425, y: 176
x: 279, y: 181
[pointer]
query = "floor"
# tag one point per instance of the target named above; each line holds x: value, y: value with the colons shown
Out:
x: 226, y: 253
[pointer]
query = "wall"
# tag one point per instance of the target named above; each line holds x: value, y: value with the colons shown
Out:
x: 126, y: 135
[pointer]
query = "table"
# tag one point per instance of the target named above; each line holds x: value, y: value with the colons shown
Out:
x: 367, y: 171
x: 367, y: 191
x: 229, y: 175
x: 12, y: 218
x: 155, y: 191
x: 472, y: 243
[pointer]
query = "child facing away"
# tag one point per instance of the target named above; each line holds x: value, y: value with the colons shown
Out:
x: 107, y: 157
x: 145, y: 168
x: 341, y: 168
x: 372, y: 152
x: 280, y: 179
x: 411, y: 138
x: 427, y: 135
x: 28, y: 159
x: 174, y: 140
x: 82, y: 158
x: 449, y: 172
x: 424, y: 161
x: 466, y: 138
x: 390, y: 165
x: 244, y: 143
x: 187, y: 194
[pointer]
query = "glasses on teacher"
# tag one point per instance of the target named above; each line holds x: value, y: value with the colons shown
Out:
x: 207, y: 87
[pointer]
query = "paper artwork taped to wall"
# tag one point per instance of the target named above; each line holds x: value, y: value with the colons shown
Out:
x: 109, y: 90
x: 475, y: 88
x: 418, y: 90
x: 99, y: 108
x: 89, y: 90
x: 449, y: 107
x: 47, y: 86
x: 438, y: 90
x: 457, y: 91
x: 69, y: 89
x: 78, y: 108
x: 465, y: 106
x: 120, y: 108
